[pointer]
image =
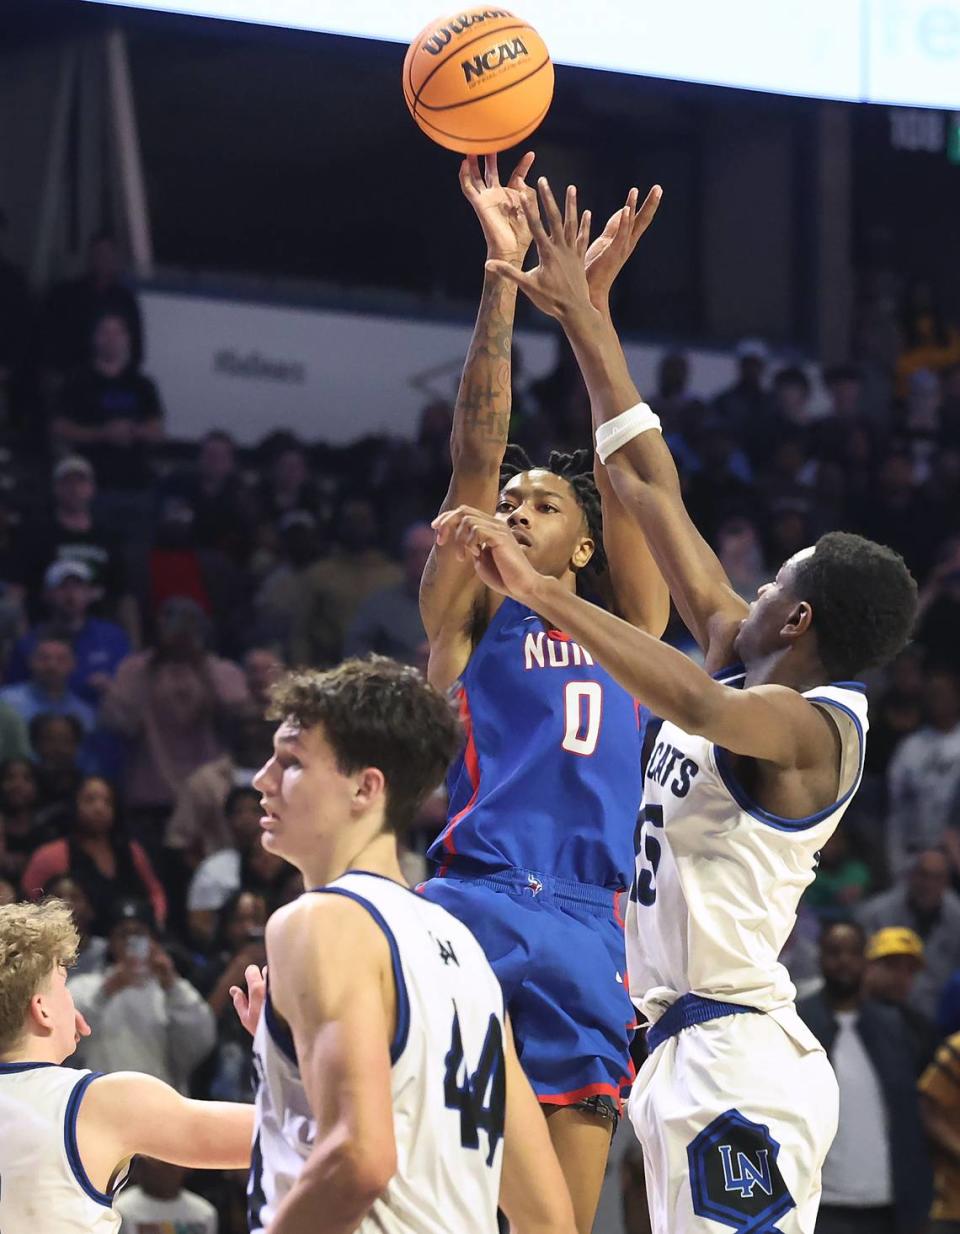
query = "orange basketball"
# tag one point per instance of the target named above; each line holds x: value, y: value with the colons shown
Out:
x: 479, y: 81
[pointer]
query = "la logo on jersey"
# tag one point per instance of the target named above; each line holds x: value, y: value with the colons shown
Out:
x: 746, y: 1174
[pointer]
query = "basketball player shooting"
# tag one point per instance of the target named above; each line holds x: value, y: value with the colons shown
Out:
x: 537, y: 852
x: 389, y: 1095
x: 736, y: 1104
x: 68, y: 1135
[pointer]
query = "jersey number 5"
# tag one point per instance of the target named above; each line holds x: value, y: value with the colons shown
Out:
x: 583, y: 707
x: 481, y: 1096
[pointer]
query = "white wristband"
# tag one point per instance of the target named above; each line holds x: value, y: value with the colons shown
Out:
x: 623, y: 428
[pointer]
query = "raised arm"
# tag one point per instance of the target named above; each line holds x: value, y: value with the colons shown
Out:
x: 642, y: 473
x: 449, y: 593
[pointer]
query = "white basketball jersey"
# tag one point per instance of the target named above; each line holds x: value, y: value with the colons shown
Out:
x: 718, y: 879
x: 448, y: 1078
x: 43, y: 1185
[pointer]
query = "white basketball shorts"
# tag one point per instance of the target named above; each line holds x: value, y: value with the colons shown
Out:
x: 735, y: 1117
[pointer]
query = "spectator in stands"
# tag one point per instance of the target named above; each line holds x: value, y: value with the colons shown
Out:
x: 14, y: 739
x: 673, y: 402
x: 24, y: 826
x: 940, y: 1107
x: 218, y: 496
x: 842, y: 879
x: 74, y: 307
x: 747, y: 404
x: 239, y: 943
x: 261, y: 666
x: 722, y: 483
x: 288, y: 485
x: 144, y: 1016
x: 98, y: 645
x: 157, y: 1200
x: 72, y: 532
x: 929, y: 340
x: 924, y: 776
x: 52, y: 664
x: 950, y: 407
x: 938, y: 609
x: 898, y: 513
x: 877, y: 1174
x: 741, y: 553
x: 899, y: 710
x: 218, y: 876
x: 60, y: 759
x: 925, y: 904
x: 286, y: 584
x: 92, y: 956
x: 170, y: 702
x: 98, y: 855
x: 336, y: 586
x: 198, y: 825
x: 894, y: 960
x: 790, y: 416
x: 791, y: 396
x: 111, y: 411
x: 388, y: 621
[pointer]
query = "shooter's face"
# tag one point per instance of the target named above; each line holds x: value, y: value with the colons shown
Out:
x: 545, y: 517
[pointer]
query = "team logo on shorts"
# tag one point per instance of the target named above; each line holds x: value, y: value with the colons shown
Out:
x: 734, y: 1177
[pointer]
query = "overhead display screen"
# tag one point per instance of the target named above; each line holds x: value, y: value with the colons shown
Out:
x: 879, y: 51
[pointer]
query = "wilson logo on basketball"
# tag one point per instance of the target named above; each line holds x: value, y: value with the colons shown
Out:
x: 440, y: 38
x: 492, y: 59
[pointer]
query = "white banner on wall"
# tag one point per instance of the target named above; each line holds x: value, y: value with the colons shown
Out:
x: 251, y: 368
x: 878, y: 51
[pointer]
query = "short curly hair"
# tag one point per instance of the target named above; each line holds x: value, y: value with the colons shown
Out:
x: 34, y: 939
x: 577, y: 470
x: 864, y: 602
x: 375, y: 712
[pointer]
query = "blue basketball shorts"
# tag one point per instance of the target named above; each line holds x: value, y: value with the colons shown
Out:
x: 557, y: 948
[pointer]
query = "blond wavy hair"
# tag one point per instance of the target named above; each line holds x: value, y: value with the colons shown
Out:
x: 34, y: 940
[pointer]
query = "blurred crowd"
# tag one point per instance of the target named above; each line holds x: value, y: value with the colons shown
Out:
x: 151, y: 590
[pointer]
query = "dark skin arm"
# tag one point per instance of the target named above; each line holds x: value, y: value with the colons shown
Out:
x: 450, y: 593
x: 639, y: 589
x: 642, y: 473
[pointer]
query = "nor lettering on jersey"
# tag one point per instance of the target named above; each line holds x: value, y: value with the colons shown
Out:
x: 542, y: 651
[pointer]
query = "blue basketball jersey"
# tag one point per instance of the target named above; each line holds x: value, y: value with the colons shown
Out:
x: 549, y: 779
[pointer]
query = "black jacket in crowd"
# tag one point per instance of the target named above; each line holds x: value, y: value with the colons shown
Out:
x: 892, y: 1052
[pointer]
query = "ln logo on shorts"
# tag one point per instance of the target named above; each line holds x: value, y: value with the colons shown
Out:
x: 734, y: 1177
x: 745, y: 1175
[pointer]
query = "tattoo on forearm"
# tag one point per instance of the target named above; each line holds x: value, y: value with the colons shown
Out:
x: 483, y: 403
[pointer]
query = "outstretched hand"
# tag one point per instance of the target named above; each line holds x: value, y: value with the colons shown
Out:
x: 248, y: 1003
x: 499, y: 207
x: 498, y: 559
x: 558, y: 285
x: 611, y: 250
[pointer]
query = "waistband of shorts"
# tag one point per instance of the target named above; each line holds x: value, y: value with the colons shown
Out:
x: 603, y: 901
x: 687, y: 1011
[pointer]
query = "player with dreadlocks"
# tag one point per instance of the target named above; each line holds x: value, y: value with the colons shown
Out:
x: 538, y: 847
